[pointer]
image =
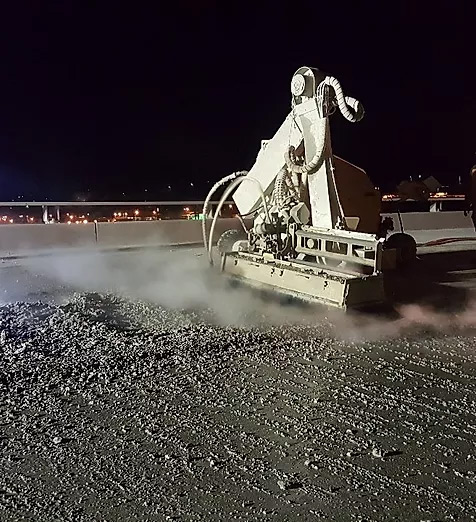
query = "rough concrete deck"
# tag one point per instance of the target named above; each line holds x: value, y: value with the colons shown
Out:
x: 137, y: 387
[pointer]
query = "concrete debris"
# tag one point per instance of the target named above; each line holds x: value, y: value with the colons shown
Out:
x: 119, y: 409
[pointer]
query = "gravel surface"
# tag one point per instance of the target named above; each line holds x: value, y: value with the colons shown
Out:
x: 116, y: 408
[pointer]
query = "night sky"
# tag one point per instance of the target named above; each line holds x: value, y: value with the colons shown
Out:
x: 102, y: 100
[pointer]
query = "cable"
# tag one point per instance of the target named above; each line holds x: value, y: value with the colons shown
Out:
x: 351, y: 109
x: 331, y: 169
x: 263, y: 198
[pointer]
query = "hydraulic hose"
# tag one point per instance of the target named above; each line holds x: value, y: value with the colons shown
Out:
x: 235, y: 179
x: 212, y: 191
x: 318, y: 159
x: 281, y: 189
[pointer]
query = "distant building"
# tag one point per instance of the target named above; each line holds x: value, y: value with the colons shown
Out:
x: 433, y: 184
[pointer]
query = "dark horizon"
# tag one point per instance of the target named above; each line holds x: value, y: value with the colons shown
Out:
x: 101, y: 102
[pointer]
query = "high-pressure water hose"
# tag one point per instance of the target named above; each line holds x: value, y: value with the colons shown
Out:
x: 212, y: 191
x: 234, y: 179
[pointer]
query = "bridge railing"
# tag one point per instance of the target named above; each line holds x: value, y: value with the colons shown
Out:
x: 20, y: 240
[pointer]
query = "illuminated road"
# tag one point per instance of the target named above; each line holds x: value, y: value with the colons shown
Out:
x: 137, y: 386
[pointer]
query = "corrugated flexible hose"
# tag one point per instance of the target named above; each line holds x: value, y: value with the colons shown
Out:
x: 350, y: 108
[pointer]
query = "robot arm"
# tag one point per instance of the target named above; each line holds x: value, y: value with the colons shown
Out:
x: 286, y: 175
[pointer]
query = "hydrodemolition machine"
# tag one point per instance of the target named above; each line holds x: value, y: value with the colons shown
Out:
x: 316, y: 230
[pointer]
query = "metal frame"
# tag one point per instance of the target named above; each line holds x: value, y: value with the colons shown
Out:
x: 361, y: 249
x: 315, y: 284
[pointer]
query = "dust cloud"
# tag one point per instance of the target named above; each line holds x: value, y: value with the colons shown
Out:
x: 181, y: 279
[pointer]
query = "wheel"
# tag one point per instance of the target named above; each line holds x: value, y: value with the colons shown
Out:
x: 406, y: 248
x: 228, y: 239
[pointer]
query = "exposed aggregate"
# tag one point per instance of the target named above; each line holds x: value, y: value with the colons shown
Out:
x: 116, y: 409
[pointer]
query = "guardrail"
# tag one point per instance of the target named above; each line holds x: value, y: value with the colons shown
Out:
x: 19, y: 240
x: 25, y: 239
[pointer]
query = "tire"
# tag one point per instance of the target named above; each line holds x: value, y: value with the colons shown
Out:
x: 406, y: 248
x: 228, y: 239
